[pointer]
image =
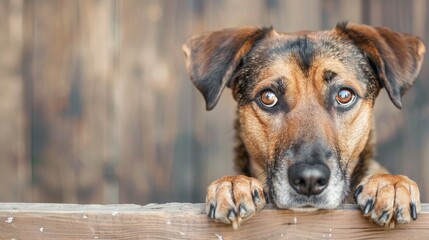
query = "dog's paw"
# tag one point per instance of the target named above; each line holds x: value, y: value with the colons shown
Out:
x: 233, y: 199
x: 388, y: 199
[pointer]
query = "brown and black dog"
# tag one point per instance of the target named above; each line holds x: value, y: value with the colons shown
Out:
x: 304, y: 126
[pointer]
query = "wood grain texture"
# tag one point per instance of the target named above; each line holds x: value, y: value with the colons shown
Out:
x: 15, y: 170
x: 188, y: 221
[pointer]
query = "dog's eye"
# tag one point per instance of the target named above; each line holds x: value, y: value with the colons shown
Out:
x: 268, y: 98
x: 345, y: 96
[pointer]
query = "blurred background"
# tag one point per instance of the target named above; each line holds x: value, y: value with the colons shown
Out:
x: 96, y: 106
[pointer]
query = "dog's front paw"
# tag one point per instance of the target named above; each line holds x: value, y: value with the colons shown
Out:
x: 233, y: 199
x: 387, y: 199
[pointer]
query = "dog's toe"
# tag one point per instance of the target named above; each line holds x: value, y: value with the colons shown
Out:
x: 234, y: 199
x: 388, y: 199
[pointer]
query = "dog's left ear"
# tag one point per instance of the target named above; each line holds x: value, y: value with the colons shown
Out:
x: 214, y: 57
x: 395, y: 57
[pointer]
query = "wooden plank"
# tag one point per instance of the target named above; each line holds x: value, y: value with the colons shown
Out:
x: 188, y: 221
x: 15, y: 169
x: 72, y: 63
x: 136, y: 101
x: 93, y: 85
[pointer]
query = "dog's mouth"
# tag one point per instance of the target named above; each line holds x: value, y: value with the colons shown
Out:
x: 306, y: 204
x: 306, y: 208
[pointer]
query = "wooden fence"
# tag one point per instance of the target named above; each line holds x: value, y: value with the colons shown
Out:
x: 96, y: 107
x: 188, y: 221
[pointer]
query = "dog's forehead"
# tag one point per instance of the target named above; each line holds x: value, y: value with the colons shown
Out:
x: 305, y: 52
x: 304, y: 47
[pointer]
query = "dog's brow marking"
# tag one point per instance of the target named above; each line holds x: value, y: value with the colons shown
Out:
x: 279, y: 85
x: 305, y: 53
x: 328, y: 75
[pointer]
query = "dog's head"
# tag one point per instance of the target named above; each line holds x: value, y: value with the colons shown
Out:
x: 304, y: 99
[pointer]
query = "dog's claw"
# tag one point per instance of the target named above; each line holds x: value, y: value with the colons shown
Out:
x: 231, y: 214
x: 413, y: 211
x: 255, y: 196
x: 357, y: 192
x: 368, y: 207
x: 398, y: 215
x: 243, y: 210
x: 384, y: 216
x: 211, y: 212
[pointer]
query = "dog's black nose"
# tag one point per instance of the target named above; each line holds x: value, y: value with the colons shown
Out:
x: 308, y: 179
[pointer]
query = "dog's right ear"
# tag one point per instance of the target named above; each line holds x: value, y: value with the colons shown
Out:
x: 214, y: 57
x: 395, y: 57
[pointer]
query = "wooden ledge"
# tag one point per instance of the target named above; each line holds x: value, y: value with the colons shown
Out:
x: 188, y: 221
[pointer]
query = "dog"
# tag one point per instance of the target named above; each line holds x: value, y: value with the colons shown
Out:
x: 304, y: 117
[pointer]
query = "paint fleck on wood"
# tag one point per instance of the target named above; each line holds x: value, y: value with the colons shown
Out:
x: 9, y: 220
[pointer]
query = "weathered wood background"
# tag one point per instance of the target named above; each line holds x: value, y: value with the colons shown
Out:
x: 96, y: 107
